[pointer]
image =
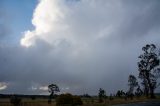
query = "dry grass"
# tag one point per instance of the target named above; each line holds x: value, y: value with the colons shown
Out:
x: 87, y: 102
x: 115, y: 101
x: 28, y: 102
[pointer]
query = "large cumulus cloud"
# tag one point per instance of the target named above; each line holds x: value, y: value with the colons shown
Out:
x: 81, y: 45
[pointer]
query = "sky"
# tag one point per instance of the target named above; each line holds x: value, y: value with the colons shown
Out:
x: 80, y: 45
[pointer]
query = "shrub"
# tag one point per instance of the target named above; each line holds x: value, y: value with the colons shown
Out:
x: 68, y: 100
x: 64, y: 99
x: 15, y: 100
x: 33, y: 97
x: 77, y: 100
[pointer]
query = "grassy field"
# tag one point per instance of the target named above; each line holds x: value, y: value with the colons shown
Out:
x: 86, y: 102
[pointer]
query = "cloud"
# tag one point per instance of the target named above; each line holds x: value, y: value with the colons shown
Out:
x: 46, y: 19
x: 3, y: 86
x: 44, y: 88
x: 4, y: 26
x: 81, y: 45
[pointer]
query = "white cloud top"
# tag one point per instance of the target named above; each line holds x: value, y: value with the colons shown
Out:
x: 48, y: 22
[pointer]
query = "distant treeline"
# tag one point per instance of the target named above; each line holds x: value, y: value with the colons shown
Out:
x: 37, y: 96
x: 44, y: 96
x: 24, y: 96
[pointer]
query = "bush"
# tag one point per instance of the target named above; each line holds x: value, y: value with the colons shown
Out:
x: 77, y: 100
x: 15, y: 100
x: 33, y: 97
x: 68, y: 100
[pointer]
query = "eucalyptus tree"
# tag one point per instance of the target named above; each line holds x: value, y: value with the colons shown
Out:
x: 148, y: 67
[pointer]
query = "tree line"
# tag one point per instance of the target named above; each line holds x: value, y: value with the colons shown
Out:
x: 148, y: 73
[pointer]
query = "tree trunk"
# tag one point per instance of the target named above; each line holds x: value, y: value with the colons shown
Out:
x: 151, y: 88
x: 146, y: 92
x: 152, y: 92
x: 146, y: 87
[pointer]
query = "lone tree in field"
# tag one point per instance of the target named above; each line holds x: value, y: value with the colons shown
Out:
x: 148, y: 68
x: 52, y: 88
x: 132, y: 83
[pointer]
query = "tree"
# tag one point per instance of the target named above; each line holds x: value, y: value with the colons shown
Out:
x: 101, y: 95
x: 132, y: 82
x: 148, y: 68
x: 120, y: 93
x: 52, y: 88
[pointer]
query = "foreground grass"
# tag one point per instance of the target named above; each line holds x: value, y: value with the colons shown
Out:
x: 117, y: 101
x: 86, y: 102
x: 28, y: 102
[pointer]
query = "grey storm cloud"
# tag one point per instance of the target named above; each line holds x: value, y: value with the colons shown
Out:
x: 4, y: 26
x: 104, y: 40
